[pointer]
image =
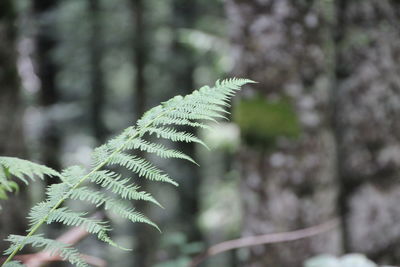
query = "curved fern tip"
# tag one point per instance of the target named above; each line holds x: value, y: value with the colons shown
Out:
x: 115, y: 245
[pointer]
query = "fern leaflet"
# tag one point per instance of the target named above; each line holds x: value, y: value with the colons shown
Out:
x: 21, y: 169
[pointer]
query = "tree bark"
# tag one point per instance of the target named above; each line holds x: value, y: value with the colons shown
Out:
x: 145, y: 236
x: 367, y: 103
x: 184, y: 16
x: 12, y: 219
x: 140, y: 57
x: 97, y: 84
x: 46, y: 69
x: 289, y: 179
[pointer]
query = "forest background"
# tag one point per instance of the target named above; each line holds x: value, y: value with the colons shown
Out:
x: 317, y: 139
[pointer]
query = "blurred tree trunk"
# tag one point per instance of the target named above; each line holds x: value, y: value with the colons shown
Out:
x: 140, y: 57
x: 368, y: 132
x: 145, y: 236
x: 12, y: 219
x: 46, y: 42
x: 184, y: 16
x: 288, y: 160
x: 96, y: 76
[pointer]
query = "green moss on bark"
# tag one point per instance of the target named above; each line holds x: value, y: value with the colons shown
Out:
x: 262, y: 121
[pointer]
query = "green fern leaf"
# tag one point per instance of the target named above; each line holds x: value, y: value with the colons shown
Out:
x: 140, y: 166
x: 14, y: 264
x: 119, y: 207
x: 124, y: 210
x: 113, y: 181
x: 158, y: 149
x: 52, y: 246
x: 174, y: 135
x: 23, y: 169
x: 86, y: 194
x: 71, y: 218
x: 38, y: 212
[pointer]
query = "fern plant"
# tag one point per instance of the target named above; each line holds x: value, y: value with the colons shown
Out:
x: 206, y: 104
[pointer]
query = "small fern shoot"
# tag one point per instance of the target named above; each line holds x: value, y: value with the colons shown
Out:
x: 23, y: 170
x: 206, y: 104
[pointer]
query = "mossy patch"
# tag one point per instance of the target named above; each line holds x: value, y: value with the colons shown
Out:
x: 262, y: 121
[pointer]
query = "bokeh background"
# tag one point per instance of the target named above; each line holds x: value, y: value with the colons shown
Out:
x: 316, y: 139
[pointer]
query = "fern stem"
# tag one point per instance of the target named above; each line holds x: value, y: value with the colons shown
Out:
x: 84, y: 178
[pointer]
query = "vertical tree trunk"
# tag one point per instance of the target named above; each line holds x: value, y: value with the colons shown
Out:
x: 288, y: 162
x: 367, y: 112
x: 46, y: 68
x: 12, y: 219
x: 184, y: 16
x: 96, y: 52
x: 145, y: 236
x: 140, y: 57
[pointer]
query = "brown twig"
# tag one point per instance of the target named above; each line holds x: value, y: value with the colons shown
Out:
x: 71, y: 237
x: 38, y: 259
x: 264, y: 239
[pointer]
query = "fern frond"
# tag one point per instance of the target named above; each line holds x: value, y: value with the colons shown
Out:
x: 175, y: 135
x: 113, y: 181
x: 171, y: 120
x: 56, y: 192
x: 72, y: 174
x: 179, y: 114
x: 101, y: 154
x: 54, y: 247
x: 214, y: 97
x: 119, y: 207
x: 71, y: 218
x: 86, y: 194
x: 38, y: 212
x: 14, y: 264
x: 158, y: 149
x: 124, y: 210
x: 140, y: 166
x: 106, y: 239
x: 6, y: 184
x: 206, y: 104
x: 23, y: 169
x: 201, y: 107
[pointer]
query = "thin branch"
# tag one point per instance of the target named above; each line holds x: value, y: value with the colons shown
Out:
x: 264, y: 239
x: 71, y: 237
x: 41, y: 258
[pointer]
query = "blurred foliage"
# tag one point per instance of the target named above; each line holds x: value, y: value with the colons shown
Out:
x: 350, y: 260
x: 262, y: 121
x: 184, y: 249
x: 6, y: 185
x: 223, y: 136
